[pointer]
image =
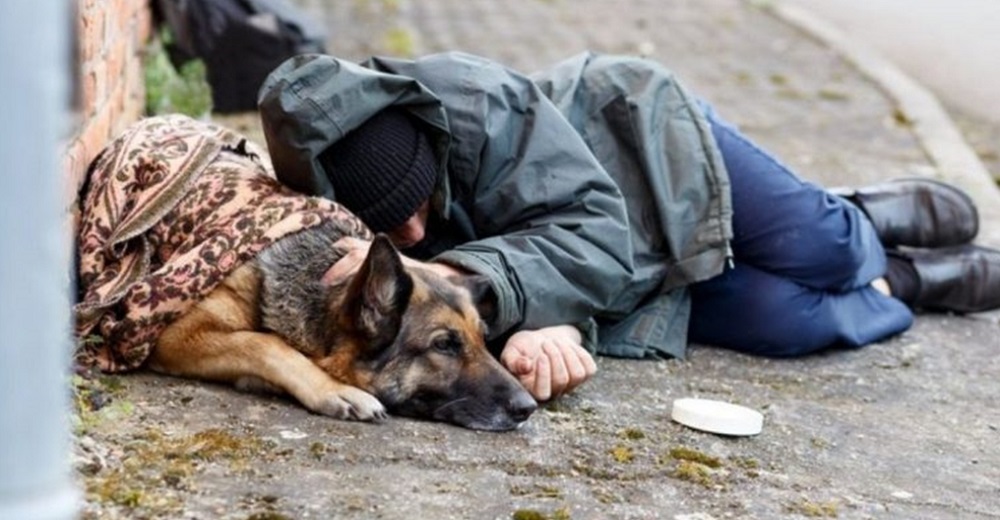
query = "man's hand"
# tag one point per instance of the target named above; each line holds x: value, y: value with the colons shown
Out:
x: 356, y: 250
x: 549, y: 362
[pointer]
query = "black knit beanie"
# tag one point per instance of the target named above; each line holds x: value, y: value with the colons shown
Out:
x: 383, y: 170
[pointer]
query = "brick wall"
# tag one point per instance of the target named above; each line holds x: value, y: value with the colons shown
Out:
x: 111, y: 37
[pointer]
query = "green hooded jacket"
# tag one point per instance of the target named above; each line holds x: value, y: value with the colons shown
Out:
x: 592, y: 190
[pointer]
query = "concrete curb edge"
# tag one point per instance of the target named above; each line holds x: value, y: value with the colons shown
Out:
x: 944, y: 145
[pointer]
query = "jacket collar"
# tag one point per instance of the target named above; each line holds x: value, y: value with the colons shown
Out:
x: 311, y: 101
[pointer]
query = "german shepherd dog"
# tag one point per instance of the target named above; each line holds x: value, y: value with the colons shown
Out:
x: 390, y: 338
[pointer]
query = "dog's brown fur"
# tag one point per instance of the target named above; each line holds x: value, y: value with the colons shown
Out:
x: 390, y: 337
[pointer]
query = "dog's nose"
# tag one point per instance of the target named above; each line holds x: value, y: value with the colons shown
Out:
x: 521, y: 406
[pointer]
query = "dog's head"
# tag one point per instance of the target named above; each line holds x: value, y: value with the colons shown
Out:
x: 415, y: 340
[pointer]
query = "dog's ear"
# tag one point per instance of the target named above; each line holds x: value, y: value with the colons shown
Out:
x: 379, y: 293
x: 481, y: 290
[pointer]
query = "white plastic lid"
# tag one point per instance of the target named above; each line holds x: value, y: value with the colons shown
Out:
x: 717, y: 416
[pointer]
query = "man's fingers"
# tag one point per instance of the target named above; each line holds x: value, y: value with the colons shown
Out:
x: 353, y: 252
x: 560, y: 378
x: 548, y: 365
x: 516, y: 359
x: 351, y: 242
x: 521, y: 366
x: 339, y: 271
x: 580, y: 364
x: 587, y: 360
x: 577, y: 372
x: 542, y: 387
x: 352, y: 246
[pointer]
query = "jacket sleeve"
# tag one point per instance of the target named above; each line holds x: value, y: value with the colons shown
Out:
x: 551, y: 224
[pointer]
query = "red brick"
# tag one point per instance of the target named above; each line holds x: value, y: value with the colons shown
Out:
x: 92, y: 33
x: 123, y: 8
x: 95, y: 135
x: 112, y: 34
x: 86, y: 53
x: 87, y: 50
x: 88, y: 93
x: 116, y: 110
x: 144, y: 26
x: 135, y: 101
x: 113, y: 109
x: 123, y: 18
x: 115, y: 65
x: 101, y: 87
x: 135, y: 106
x: 122, y: 15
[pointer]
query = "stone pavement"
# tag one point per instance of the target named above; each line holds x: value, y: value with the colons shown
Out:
x: 905, y: 429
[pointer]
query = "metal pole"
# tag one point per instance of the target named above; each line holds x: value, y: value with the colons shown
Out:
x: 35, y: 481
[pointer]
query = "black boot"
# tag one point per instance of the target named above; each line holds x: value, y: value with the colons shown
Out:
x: 917, y: 212
x: 959, y: 279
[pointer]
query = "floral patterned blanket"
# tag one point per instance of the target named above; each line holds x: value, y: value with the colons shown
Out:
x: 172, y: 207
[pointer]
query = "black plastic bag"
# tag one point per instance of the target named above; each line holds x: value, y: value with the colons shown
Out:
x: 240, y: 42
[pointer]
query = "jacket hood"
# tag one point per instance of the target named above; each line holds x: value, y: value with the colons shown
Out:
x: 311, y: 101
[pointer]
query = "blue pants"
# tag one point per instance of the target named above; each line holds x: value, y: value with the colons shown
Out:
x: 803, y: 262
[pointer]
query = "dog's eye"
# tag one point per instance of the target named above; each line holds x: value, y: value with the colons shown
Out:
x: 449, y: 344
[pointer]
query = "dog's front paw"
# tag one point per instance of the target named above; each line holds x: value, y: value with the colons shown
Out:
x: 352, y: 404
